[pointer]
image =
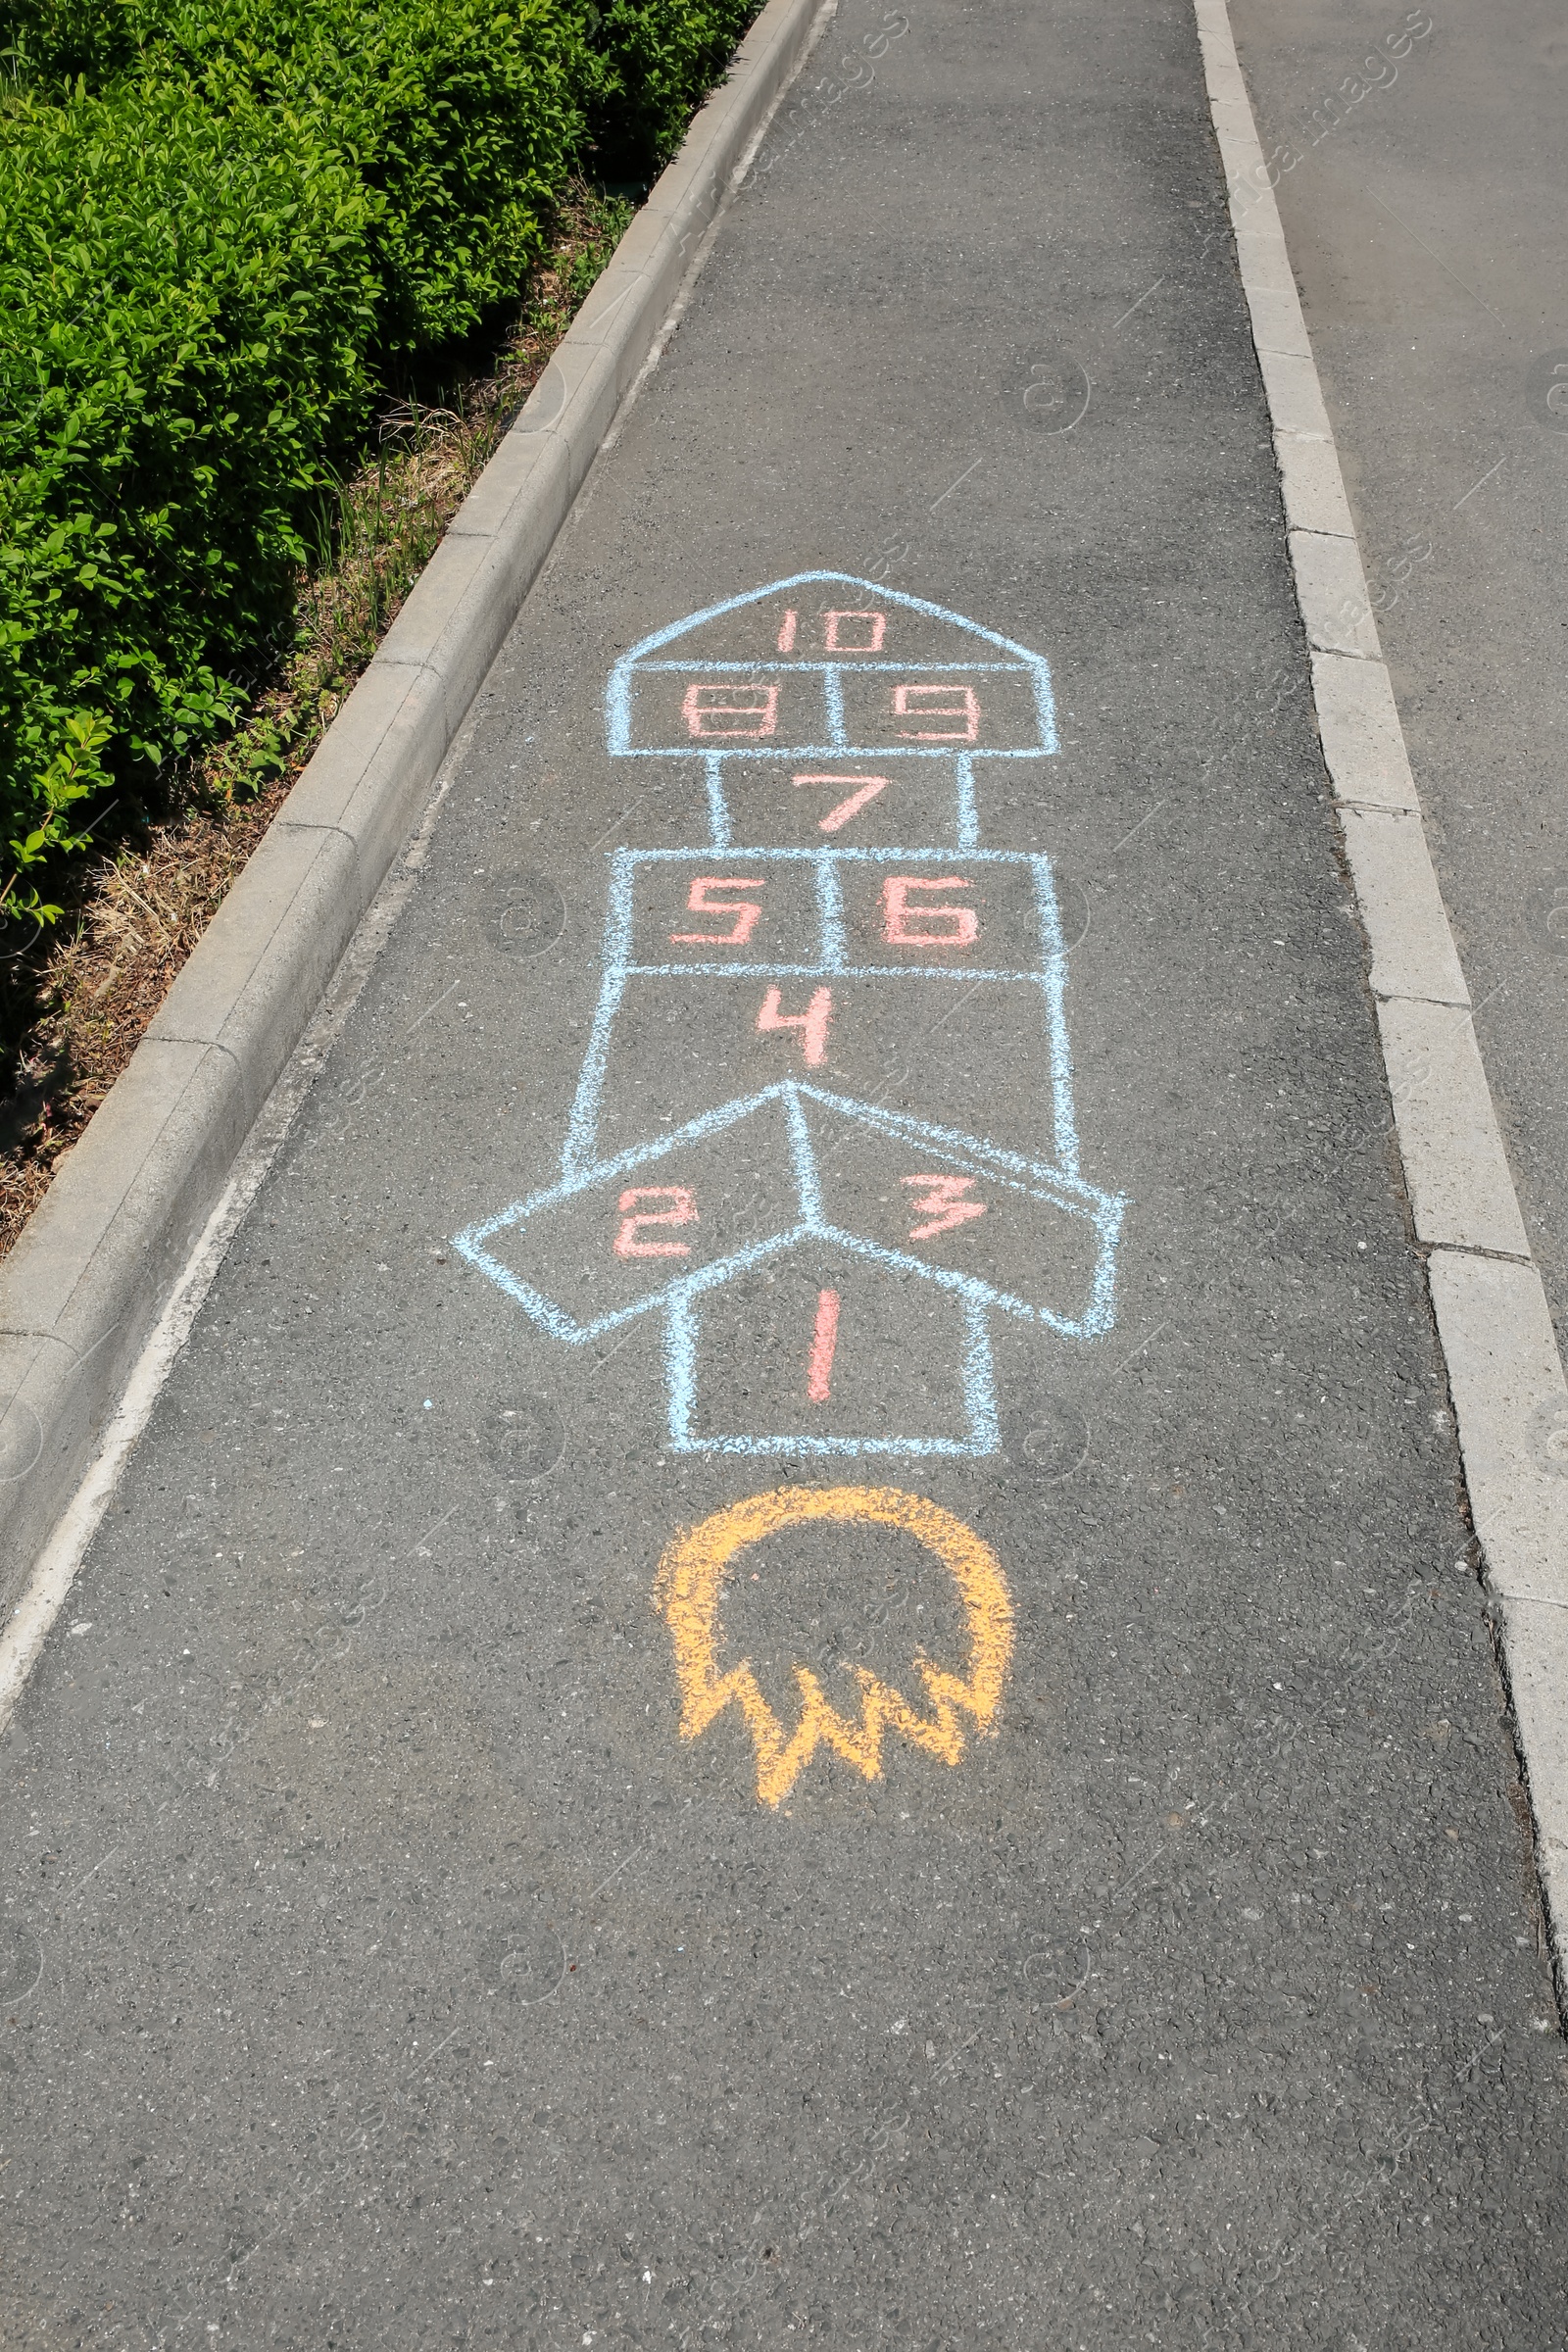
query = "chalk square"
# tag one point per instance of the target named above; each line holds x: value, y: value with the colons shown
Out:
x: 947, y: 911
x: 629, y: 1231
x: 748, y: 909
x: 902, y: 1373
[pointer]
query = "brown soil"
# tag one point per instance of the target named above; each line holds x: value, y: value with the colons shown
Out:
x: 96, y: 981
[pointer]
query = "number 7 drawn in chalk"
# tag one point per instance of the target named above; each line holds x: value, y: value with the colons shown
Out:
x: 870, y: 787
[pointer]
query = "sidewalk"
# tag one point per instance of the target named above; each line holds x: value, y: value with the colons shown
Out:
x: 795, y: 1658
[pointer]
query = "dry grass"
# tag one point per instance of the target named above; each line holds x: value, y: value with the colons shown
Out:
x: 93, y: 985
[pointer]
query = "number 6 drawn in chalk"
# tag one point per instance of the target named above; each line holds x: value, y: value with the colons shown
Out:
x: 682, y: 1210
x: 923, y: 926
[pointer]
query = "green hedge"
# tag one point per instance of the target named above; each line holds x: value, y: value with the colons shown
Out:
x: 225, y: 230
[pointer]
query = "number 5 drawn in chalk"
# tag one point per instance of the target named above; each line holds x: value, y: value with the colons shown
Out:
x: 747, y: 912
x: 682, y: 1210
x: 867, y: 789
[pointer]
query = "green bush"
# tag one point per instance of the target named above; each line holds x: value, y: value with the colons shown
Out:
x: 227, y: 228
x: 656, y: 60
x: 185, y: 306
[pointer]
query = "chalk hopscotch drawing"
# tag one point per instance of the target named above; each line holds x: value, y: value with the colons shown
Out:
x: 824, y: 1124
x: 690, y: 1587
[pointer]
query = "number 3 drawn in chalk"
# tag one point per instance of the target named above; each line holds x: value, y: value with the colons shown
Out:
x: 747, y: 912
x: 682, y: 1210
x: 943, y: 1207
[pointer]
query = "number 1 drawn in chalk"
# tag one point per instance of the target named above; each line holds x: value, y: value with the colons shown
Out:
x: 824, y: 1340
x: 870, y: 787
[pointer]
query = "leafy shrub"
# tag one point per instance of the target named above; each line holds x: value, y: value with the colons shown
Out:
x: 226, y: 226
x: 186, y: 306
x: 656, y: 61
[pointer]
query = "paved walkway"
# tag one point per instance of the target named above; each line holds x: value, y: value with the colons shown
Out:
x: 793, y: 1658
x: 1428, y: 217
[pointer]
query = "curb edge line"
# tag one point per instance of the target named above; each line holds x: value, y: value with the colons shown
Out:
x: 1504, y: 1383
x: 112, y: 1251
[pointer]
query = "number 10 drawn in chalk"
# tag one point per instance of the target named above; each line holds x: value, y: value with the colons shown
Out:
x: 929, y: 1195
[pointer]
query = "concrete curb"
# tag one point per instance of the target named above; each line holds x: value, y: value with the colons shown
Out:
x: 86, y: 1281
x: 1505, y: 1370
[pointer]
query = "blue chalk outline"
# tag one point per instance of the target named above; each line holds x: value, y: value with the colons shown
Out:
x: 1058, y: 1181
x: 832, y: 963
x: 1063, y: 1189
x: 1021, y: 662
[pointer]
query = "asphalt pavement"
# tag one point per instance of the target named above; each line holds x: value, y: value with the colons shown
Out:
x: 1427, y: 215
x: 795, y: 1658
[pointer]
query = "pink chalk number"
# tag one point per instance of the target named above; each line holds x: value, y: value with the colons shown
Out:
x: 747, y: 912
x: 944, y: 1205
x: 682, y: 1210
x: 825, y: 1340
x: 812, y: 1023
x: 756, y: 705
x: 866, y: 632
x: 906, y: 927
x: 866, y: 789
x: 937, y: 702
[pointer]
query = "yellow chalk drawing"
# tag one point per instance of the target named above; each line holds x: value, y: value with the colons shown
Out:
x: 691, y: 1578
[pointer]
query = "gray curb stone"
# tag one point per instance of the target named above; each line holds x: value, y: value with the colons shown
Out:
x: 1505, y: 1370
x: 86, y: 1282
x: 1512, y: 1403
x: 1461, y: 1190
x: 1363, y: 742
x: 1413, y: 954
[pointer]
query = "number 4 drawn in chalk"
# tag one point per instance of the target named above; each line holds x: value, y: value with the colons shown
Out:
x: 813, y: 1023
x: 869, y: 788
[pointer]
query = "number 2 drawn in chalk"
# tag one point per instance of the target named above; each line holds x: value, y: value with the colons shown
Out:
x: 682, y: 1210
x: 866, y: 789
x: 944, y: 1205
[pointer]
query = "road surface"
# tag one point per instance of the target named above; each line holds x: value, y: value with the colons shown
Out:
x: 795, y: 1658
